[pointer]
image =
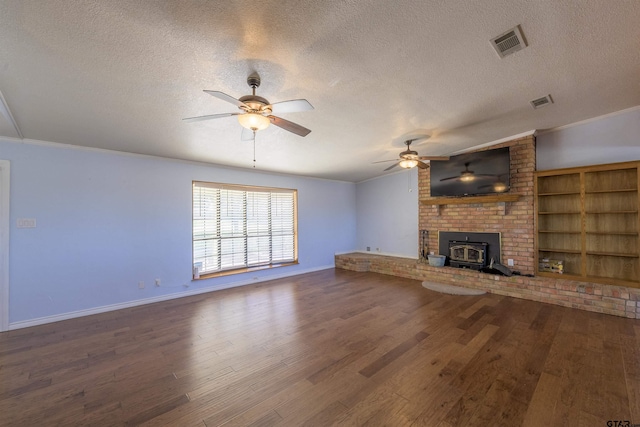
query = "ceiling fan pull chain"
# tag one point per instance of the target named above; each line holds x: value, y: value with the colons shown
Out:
x: 254, y: 149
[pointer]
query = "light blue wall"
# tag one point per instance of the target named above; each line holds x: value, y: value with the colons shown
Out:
x: 610, y: 139
x: 106, y: 221
x: 387, y: 212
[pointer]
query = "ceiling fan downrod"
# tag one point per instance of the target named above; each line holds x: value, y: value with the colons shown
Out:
x: 254, y: 82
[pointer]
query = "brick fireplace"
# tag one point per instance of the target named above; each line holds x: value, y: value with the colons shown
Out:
x: 515, y: 221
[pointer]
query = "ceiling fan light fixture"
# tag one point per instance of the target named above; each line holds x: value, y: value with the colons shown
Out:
x: 499, y: 187
x: 408, y: 163
x: 254, y: 121
x: 467, y: 177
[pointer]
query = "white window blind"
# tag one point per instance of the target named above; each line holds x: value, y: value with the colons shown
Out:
x: 238, y: 227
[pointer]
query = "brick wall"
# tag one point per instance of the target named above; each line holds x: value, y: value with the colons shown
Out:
x: 515, y: 220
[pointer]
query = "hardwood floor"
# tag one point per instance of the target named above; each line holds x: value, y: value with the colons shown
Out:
x: 333, y: 347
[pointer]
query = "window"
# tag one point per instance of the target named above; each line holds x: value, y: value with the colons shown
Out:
x: 238, y: 227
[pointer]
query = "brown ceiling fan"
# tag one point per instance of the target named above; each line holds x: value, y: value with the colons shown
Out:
x: 256, y: 112
x: 409, y: 158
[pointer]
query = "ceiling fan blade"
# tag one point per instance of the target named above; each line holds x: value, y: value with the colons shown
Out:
x: 289, y: 126
x: 209, y: 117
x: 422, y: 165
x: 293, y: 106
x: 434, y: 157
x: 385, y: 161
x: 391, y: 167
x: 228, y: 98
x: 246, y: 135
x: 450, y: 178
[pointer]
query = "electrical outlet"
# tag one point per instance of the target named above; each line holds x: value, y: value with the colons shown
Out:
x: 581, y: 289
x: 377, y: 249
x: 510, y: 262
x: 140, y: 285
x: 157, y: 282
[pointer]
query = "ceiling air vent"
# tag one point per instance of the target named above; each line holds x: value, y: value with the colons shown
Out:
x: 541, y: 102
x: 509, y: 42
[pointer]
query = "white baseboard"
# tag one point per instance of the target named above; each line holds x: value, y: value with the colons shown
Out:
x: 112, y: 307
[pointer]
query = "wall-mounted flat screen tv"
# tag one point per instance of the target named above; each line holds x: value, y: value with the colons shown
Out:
x: 482, y: 172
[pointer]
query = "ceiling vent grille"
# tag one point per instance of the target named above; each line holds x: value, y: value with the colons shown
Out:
x: 541, y: 102
x: 509, y: 42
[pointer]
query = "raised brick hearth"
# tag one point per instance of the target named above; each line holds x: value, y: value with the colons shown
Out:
x: 515, y: 222
x: 615, y: 300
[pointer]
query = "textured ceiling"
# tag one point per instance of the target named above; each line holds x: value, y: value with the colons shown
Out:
x: 121, y: 75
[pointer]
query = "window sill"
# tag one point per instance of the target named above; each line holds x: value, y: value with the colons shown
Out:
x: 243, y: 270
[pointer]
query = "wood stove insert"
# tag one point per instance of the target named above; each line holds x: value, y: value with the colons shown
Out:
x: 463, y: 254
x: 491, y: 250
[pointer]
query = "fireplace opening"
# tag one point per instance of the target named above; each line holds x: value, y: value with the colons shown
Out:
x: 466, y: 249
x: 465, y: 254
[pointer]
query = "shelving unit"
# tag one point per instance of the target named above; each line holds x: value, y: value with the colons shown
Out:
x: 588, y: 218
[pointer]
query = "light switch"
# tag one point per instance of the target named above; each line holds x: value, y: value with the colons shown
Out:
x: 26, y: 223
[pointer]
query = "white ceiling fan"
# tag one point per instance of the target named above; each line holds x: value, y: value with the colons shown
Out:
x: 409, y: 158
x: 256, y: 112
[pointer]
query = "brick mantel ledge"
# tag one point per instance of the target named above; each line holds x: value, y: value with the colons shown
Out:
x: 615, y: 300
